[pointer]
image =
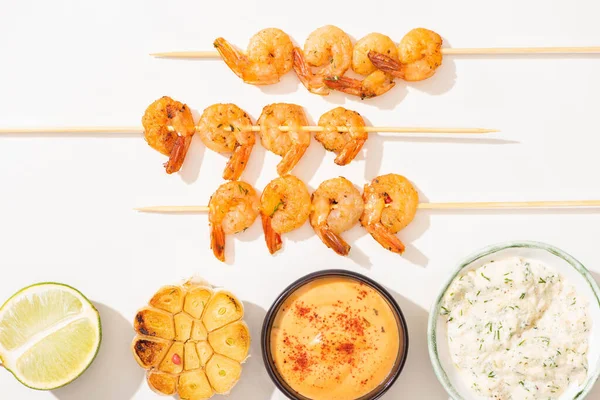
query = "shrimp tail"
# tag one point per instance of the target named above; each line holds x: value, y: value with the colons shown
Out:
x: 234, y: 59
x: 217, y: 241
x: 272, y: 238
x: 387, y: 64
x: 237, y: 163
x: 308, y: 79
x: 290, y: 159
x: 386, y: 238
x: 373, y: 85
x: 346, y: 85
x: 333, y: 241
x: 349, y: 151
x: 177, y: 156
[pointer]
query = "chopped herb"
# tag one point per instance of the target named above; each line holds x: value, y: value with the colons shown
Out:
x: 276, y: 208
x: 488, y: 279
x: 478, y: 292
x: 489, y: 324
x: 520, y: 344
x: 492, y: 374
x: 445, y: 311
x: 541, y: 281
x: 243, y: 189
x: 522, y: 296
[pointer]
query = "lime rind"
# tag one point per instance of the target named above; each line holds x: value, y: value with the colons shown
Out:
x: 10, y: 359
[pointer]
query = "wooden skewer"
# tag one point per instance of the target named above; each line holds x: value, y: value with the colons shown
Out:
x: 445, y: 50
x: 507, y: 205
x: 133, y: 129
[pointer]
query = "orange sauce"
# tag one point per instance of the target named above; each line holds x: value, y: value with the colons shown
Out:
x: 335, y: 338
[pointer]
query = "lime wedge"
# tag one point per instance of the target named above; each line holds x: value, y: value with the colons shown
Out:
x: 49, y: 334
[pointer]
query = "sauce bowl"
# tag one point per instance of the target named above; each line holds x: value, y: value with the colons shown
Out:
x: 563, y: 263
x: 268, y: 358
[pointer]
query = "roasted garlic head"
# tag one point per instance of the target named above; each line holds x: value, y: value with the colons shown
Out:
x: 191, y: 339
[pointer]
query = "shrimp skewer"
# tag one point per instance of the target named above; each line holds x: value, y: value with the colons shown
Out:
x: 232, y: 208
x: 285, y: 206
x: 391, y: 203
x: 290, y: 145
x: 161, y: 114
x: 337, y: 207
x: 420, y: 54
x: 226, y: 128
x: 346, y: 144
x: 268, y: 58
x: 327, y: 53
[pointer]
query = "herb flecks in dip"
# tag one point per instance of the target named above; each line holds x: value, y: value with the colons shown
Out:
x: 335, y: 339
x: 517, y: 330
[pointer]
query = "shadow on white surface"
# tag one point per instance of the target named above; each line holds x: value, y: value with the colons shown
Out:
x: 114, y: 374
x: 442, y: 81
x: 255, y: 163
x: 313, y: 158
x: 253, y: 234
x: 356, y: 254
x: 190, y: 170
x: 289, y: 83
x: 255, y: 382
x: 417, y: 380
x: 374, y: 148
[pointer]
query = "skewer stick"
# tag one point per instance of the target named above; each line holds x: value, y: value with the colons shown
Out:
x: 507, y: 205
x: 255, y: 128
x: 445, y: 50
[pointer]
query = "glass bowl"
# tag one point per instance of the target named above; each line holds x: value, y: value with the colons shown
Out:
x: 565, y: 264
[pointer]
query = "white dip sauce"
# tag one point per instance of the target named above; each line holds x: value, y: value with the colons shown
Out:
x: 517, y: 330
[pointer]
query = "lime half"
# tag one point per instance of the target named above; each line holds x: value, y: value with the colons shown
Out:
x: 49, y: 334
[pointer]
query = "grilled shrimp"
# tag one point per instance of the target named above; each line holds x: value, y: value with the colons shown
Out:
x: 337, y: 207
x: 375, y: 83
x: 345, y: 144
x: 284, y: 206
x: 420, y: 53
x: 377, y: 42
x: 226, y: 128
x: 268, y: 58
x: 232, y: 209
x: 327, y: 53
x: 161, y: 114
x: 390, y: 205
x: 291, y: 144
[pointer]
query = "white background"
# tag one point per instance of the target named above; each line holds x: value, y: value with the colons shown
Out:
x: 66, y: 203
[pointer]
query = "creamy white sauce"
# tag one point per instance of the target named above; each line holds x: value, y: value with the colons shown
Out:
x: 517, y: 330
